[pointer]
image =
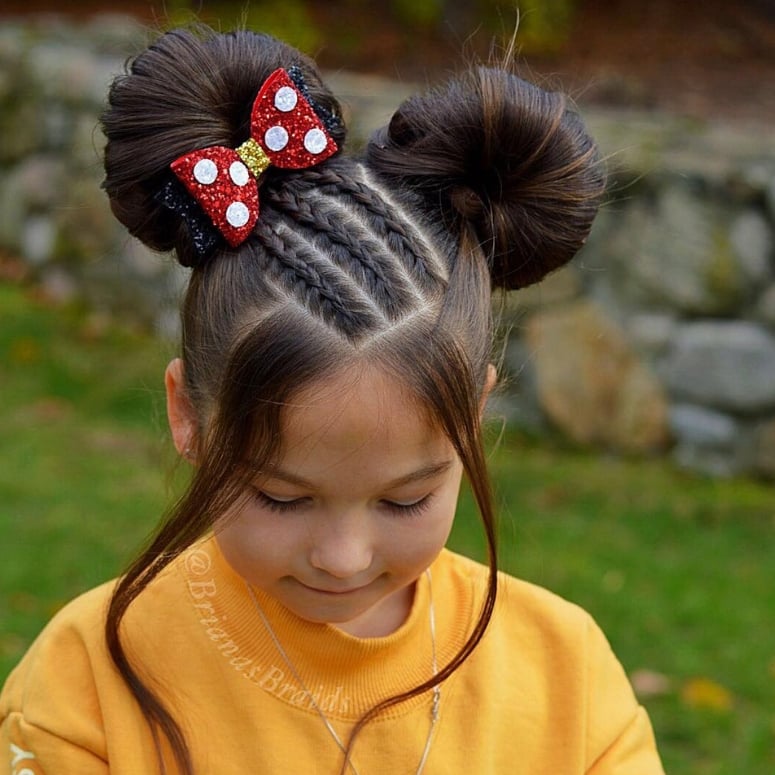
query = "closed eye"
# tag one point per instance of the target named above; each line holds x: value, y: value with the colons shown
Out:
x: 276, y: 504
x: 411, y: 509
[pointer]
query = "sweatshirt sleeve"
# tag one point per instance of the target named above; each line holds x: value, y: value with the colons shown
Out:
x: 620, y: 737
x: 29, y: 750
x: 50, y: 712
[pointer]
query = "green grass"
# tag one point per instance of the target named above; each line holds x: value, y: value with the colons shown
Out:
x: 81, y: 447
x: 677, y: 569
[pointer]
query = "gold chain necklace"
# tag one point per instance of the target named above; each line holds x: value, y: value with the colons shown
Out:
x: 338, y: 740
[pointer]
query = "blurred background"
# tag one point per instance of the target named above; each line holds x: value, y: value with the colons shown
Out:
x: 634, y: 433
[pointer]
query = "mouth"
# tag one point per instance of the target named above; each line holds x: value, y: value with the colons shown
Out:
x: 333, y: 592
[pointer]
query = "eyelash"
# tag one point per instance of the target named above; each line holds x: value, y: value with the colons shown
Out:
x: 409, y: 509
x: 280, y: 507
x: 286, y: 507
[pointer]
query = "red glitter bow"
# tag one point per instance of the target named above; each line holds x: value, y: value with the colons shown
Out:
x: 285, y: 131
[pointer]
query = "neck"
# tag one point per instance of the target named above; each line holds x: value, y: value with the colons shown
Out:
x: 384, y: 618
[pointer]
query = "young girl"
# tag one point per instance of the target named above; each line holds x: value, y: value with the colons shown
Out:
x: 297, y: 611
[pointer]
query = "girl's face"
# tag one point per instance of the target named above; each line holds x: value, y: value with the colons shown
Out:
x: 360, y: 502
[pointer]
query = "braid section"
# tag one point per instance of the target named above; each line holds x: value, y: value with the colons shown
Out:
x: 386, y: 221
x: 316, y: 284
x: 350, y: 246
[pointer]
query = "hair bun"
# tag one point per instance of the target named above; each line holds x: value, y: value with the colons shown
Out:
x: 502, y: 158
x: 190, y: 90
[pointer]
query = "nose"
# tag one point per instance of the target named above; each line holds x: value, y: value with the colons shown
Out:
x: 342, y: 552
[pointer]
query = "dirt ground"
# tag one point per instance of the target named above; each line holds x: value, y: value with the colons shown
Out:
x: 701, y: 58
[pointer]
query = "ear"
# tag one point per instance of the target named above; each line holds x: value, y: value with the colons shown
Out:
x: 180, y: 412
x: 489, y: 384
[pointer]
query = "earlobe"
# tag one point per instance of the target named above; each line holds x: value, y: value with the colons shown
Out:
x: 180, y: 413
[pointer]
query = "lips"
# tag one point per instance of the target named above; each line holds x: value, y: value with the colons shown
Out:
x: 333, y: 592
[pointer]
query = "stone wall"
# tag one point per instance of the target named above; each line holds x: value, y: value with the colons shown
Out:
x: 660, y: 338
x: 661, y: 335
x: 53, y: 82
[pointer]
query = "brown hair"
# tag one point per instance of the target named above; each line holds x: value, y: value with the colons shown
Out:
x: 487, y: 182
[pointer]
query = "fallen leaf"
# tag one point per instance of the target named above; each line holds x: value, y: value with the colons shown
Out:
x: 706, y: 694
x: 24, y: 350
x: 12, y: 645
x: 650, y: 683
x: 52, y: 408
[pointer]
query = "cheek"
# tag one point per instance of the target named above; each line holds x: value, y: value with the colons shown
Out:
x: 253, y: 545
x: 417, y: 541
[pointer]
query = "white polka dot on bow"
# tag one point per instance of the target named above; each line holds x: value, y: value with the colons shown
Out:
x: 285, y: 99
x: 237, y: 214
x: 276, y: 138
x: 205, y: 171
x: 238, y: 172
x: 315, y: 141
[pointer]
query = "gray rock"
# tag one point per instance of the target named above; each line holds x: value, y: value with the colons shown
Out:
x: 703, y: 427
x: 651, y: 333
x: 87, y: 142
x: 715, y: 462
x: 63, y: 72
x: 750, y: 181
x: 116, y: 34
x: 676, y: 254
x: 37, y: 182
x: 724, y: 365
x: 751, y: 239
x: 104, y: 70
x: 764, y: 310
x: 86, y: 228
x: 57, y: 122
x: 38, y: 237
x: 12, y: 42
x: 12, y: 214
x: 368, y: 101
x: 167, y: 324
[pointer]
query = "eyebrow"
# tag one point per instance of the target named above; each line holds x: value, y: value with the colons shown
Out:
x: 425, y: 472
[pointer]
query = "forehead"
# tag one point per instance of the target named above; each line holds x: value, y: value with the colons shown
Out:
x: 358, y: 414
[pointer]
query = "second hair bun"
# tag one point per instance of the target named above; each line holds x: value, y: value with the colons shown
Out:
x: 492, y: 153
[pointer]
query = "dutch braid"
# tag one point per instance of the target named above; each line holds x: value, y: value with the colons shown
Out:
x: 384, y: 222
x: 317, y: 287
x: 353, y: 253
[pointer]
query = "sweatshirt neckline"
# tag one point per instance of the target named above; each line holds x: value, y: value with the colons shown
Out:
x: 345, y: 673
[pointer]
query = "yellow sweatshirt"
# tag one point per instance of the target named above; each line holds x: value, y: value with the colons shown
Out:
x: 542, y: 694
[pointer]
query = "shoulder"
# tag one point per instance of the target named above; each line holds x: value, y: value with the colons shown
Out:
x: 547, y: 658
x: 66, y: 689
x: 75, y: 638
x: 76, y: 627
x: 561, y: 654
x: 535, y: 632
x: 38, y: 702
x: 520, y: 603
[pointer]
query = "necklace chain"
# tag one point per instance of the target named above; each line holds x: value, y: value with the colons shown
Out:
x: 338, y: 740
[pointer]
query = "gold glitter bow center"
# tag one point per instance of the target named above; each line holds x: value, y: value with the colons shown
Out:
x: 252, y: 154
